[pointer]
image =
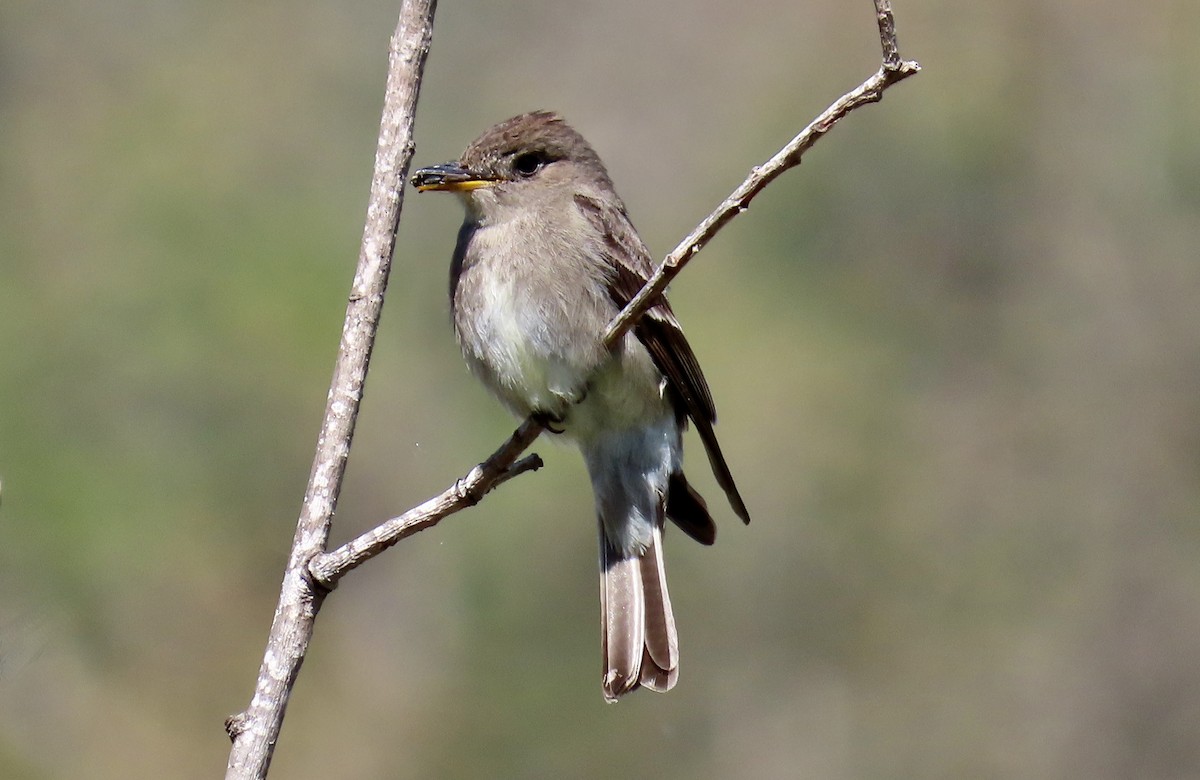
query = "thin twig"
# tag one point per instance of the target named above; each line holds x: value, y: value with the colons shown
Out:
x: 328, y: 568
x: 255, y: 731
x: 870, y: 91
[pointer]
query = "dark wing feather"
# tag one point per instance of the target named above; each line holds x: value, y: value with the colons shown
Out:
x: 661, y: 334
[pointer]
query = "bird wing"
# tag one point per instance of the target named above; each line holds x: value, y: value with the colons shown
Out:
x: 660, y: 332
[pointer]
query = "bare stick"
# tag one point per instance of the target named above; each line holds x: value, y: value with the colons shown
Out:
x: 870, y: 91
x: 328, y: 568
x: 255, y: 731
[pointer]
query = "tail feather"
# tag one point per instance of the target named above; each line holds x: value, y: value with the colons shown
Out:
x: 660, y: 662
x: 623, y: 626
x: 639, y: 640
x: 631, y: 473
x: 655, y: 678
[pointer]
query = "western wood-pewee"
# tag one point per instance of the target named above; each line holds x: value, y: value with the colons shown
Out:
x: 545, y: 259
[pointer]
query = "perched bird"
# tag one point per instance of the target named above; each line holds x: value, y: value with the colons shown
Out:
x: 545, y: 258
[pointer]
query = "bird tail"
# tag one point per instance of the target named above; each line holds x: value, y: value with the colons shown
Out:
x: 640, y: 644
x: 632, y: 476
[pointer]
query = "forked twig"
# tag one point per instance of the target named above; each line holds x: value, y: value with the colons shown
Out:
x: 328, y: 568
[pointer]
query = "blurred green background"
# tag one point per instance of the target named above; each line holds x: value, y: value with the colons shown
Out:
x: 956, y: 355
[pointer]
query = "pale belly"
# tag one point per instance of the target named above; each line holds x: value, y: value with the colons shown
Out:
x: 539, y: 353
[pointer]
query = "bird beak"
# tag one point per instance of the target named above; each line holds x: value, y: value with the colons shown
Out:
x: 448, y: 176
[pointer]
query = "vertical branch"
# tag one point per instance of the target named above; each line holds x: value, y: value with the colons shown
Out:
x: 887, y: 35
x: 255, y: 731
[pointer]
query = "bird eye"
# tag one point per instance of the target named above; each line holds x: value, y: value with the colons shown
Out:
x: 529, y: 163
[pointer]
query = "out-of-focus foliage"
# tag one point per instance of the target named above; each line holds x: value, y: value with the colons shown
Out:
x: 956, y: 354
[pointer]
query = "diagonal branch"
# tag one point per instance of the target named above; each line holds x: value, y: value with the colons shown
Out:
x: 502, y: 466
x: 870, y: 91
x: 328, y: 568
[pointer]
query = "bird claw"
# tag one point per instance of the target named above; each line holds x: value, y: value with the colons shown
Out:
x: 550, y: 421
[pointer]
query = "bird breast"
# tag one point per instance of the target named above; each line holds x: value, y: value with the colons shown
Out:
x: 529, y: 311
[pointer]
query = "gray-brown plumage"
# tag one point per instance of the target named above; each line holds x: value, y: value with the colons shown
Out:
x: 545, y: 259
